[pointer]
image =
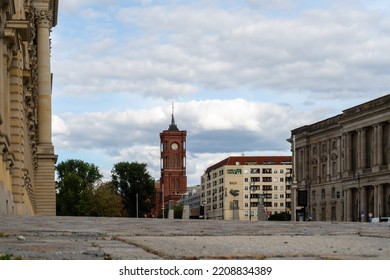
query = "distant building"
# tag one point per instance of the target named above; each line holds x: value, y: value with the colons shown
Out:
x: 193, y: 199
x: 234, y: 187
x: 173, y: 180
x: 342, y: 165
x: 27, y: 159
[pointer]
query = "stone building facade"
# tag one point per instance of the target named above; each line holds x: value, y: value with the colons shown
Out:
x: 342, y: 165
x: 235, y: 187
x: 27, y: 159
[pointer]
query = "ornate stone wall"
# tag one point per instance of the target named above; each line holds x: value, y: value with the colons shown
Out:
x: 27, y: 156
x: 343, y: 163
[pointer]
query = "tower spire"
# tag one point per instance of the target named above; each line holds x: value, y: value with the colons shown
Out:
x: 173, y: 125
x: 173, y: 114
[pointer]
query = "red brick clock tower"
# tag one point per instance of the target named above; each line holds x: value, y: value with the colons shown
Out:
x: 173, y: 181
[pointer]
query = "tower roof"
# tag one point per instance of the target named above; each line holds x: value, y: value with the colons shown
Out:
x: 173, y: 126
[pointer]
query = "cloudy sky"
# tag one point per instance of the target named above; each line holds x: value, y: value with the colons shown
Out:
x: 241, y: 73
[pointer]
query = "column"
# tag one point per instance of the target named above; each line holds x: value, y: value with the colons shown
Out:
x: 345, y: 210
x: 359, y: 149
x: 380, y: 201
x: 343, y: 149
x: 349, y: 152
x: 44, y: 188
x: 363, y: 148
x: 363, y: 204
x: 375, y: 147
x: 44, y: 19
x: 380, y: 145
x: 349, y: 204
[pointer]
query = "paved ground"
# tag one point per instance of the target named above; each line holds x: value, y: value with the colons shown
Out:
x: 79, y: 238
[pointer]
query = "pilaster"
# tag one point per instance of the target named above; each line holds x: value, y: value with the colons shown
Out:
x: 17, y: 140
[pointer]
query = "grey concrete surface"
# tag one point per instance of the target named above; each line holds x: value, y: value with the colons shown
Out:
x: 93, y: 238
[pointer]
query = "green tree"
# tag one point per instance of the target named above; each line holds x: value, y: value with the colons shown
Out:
x: 106, y: 201
x: 75, y: 187
x: 130, y: 180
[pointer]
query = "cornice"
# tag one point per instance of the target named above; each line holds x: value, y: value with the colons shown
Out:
x: 357, y: 115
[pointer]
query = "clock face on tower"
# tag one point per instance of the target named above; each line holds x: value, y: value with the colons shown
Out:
x: 174, y: 146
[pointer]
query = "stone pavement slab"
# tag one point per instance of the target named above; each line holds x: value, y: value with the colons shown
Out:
x: 95, y: 238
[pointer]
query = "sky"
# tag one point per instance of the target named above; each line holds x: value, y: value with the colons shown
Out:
x: 241, y: 74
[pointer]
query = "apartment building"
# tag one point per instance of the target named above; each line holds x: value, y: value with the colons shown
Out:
x: 241, y: 187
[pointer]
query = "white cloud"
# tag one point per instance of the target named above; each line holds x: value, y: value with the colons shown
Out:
x: 177, y: 50
x: 242, y: 73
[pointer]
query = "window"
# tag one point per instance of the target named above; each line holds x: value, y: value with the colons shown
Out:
x: 246, y: 196
x: 333, y: 192
x: 338, y: 195
x: 281, y: 204
x: 246, y: 213
x: 281, y: 171
x: 314, y: 150
x: 323, y: 193
x: 275, y: 188
x: 281, y: 179
x: 246, y: 205
x: 281, y: 196
x: 275, y: 204
x: 255, y: 170
x: 281, y: 188
x: 275, y: 179
x: 246, y: 188
x: 275, y: 196
x: 324, y: 172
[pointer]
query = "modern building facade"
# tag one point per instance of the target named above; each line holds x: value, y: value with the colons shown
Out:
x: 342, y: 165
x: 173, y: 180
x: 193, y: 199
x: 27, y: 159
x: 235, y: 187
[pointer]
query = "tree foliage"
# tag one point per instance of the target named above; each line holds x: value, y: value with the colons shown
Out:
x: 130, y: 180
x: 75, y: 187
x: 106, y: 201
